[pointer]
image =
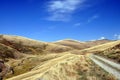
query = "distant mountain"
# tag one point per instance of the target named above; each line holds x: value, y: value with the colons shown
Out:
x: 81, y: 45
x: 72, y: 43
x: 97, y: 42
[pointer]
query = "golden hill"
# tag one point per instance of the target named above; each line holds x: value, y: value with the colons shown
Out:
x: 65, y: 67
x: 8, y: 52
x: 16, y: 50
x: 81, y: 45
x: 29, y: 46
x: 97, y: 42
x: 102, y: 47
x: 109, y: 50
x: 36, y: 60
x: 72, y: 43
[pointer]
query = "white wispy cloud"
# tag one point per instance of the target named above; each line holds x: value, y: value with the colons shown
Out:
x: 117, y: 36
x: 61, y: 10
x: 94, y: 17
x: 77, y: 24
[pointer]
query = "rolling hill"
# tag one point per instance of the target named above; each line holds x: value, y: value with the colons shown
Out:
x: 109, y: 50
x: 81, y: 45
x: 29, y: 46
x: 66, y: 67
x: 36, y: 60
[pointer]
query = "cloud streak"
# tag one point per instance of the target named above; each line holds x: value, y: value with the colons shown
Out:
x: 61, y: 10
x: 94, y: 17
x: 77, y: 24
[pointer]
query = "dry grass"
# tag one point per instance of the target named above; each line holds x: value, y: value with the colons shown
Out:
x: 111, y: 53
x: 80, y: 45
x: 66, y: 67
x: 22, y: 40
x: 57, y: 48
x: 49, y: 66
x: 72, y: 43
x: 29, y: 62
x: 95, y: 73
x: 29, y: 46
x: 102, y: 47
x: 8, y: 52
x: 109, y: 50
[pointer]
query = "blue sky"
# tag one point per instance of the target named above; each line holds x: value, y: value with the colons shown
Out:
x: 52, y: 20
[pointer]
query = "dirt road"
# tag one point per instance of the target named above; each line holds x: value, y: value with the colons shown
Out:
x: 107, y: 65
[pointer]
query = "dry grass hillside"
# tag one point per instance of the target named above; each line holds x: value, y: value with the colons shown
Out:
x: 22, y: 53
x: 17, y: 52
x: 102, y: 47
x: 72, y: 43
x: 29, y: 46
x: 66, y: 67
x: 8, y: 52
x: 109, y: 50
x: 81, y: 45
x: 37, y: 60
x: 97, y: 42
x: 111, y: 53
x: 29, y: 62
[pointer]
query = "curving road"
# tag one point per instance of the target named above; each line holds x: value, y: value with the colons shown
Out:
x: 107, y: 65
